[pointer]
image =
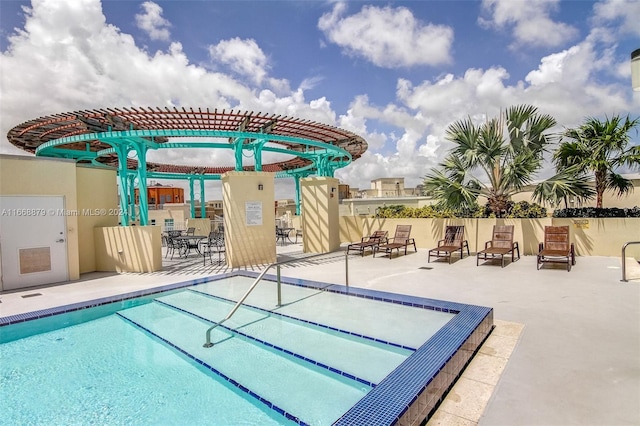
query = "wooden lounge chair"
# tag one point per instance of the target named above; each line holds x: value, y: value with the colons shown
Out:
x: 371, y: 242
x: 557, y: 247
x: 452, y: 242
x: 501, y: 244
x: 400, y: 239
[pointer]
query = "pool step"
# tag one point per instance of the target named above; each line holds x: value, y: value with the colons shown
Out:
x: 305, y: 392
x: 326, y: 347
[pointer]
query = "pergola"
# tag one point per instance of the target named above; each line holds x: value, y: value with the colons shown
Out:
x: 120, y: 138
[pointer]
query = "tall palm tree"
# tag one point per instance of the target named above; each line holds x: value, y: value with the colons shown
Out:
x: 505, y: 152
x: 600, y: 147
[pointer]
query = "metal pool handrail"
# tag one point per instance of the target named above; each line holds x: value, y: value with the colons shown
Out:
x: 624, y: 259
x: 209, y: 344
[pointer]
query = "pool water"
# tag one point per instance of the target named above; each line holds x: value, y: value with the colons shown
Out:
x: 313, y: 360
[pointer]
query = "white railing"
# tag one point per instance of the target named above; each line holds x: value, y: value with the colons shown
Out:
x: 209, y: 343
x: 624, y: 259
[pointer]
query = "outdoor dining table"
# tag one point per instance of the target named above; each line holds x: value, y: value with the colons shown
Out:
x: 191, y: 241
x: 282, y: 235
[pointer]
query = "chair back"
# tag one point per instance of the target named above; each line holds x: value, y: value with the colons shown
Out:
x: 378, y: 235
x: 502, y: 236
x: 557, y: 238
x: 191, y: 231
x: 454, y: 235
x: 216, y: 238
x: 403, y: 232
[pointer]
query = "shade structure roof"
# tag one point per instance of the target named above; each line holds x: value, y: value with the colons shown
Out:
x: 92, y: 136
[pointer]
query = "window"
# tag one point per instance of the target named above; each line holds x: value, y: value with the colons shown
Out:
x: 168, y: 224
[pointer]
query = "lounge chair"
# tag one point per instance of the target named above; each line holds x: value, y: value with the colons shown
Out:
x: 371, y: 242
x: 400, y: 239
x: 557, y: 247
x: 452, y: 242
x: 500, y: 245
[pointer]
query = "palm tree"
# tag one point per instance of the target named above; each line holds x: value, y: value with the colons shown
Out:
x: 505, y: 151
x: 600, y: 147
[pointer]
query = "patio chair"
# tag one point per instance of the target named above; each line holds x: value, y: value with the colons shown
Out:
x: 401, y: 239
x: 557, y: 247
x: 191, y: 231
x: 452, y: 242
x: 213, y: 244
x: 370, y: 242
x: 174, y: 244
x: 500, y: 245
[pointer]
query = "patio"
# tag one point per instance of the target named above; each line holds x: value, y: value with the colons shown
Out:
x: 565, y: 350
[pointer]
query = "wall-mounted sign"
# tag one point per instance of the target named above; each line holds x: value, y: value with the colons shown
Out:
x: 253, y: 213
x: 581, y: 223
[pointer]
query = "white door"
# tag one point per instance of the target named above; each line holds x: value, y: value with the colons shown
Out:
x: 33, y: 241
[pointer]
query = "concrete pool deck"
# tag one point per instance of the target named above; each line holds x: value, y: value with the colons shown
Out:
x: 565, y: 350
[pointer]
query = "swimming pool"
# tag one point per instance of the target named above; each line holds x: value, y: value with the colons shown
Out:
x: 329, y: 355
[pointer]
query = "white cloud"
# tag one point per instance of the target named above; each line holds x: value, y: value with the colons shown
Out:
x: 529, y: 21
x: 388, y: 37
x: 152, y: 22
x: 624, y: 14
x: 68, y: 58
x: 243, y: 56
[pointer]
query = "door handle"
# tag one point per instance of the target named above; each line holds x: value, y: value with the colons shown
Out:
x: 61, y: 240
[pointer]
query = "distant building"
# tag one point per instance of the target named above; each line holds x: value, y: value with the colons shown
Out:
x: 158, y: 195
x: 212, y: 209
x: 386, y: 187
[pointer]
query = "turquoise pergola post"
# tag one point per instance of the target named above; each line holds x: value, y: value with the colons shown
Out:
x: 132, y: 196
x: 141, y: 151
x: 192, y: 196
x: 257, y: 155
x: 203, y: 212
x: 297, y: 195
x: 122, y: 151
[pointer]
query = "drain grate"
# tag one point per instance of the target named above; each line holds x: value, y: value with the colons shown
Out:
x: 31, y: 295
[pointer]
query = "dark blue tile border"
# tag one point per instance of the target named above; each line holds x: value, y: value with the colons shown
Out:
x: 271, y: 345
x: 218, y: 373
x: 351, y: 333
x: 432, y: 367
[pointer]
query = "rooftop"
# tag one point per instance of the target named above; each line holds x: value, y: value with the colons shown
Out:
x: 565, y: 349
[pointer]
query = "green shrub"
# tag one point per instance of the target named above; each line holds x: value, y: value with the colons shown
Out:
x: 520, y: 209
x: 597, y: 212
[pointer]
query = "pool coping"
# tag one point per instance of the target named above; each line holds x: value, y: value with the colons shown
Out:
x: 408, y: 394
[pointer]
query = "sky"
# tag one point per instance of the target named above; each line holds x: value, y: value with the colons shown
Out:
x: 396, y: 73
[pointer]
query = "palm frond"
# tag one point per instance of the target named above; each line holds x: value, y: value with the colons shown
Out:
x: 618, y: 184
x: 565, y: 184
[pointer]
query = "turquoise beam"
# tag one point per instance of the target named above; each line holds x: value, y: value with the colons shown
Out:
x: 117, y: 138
